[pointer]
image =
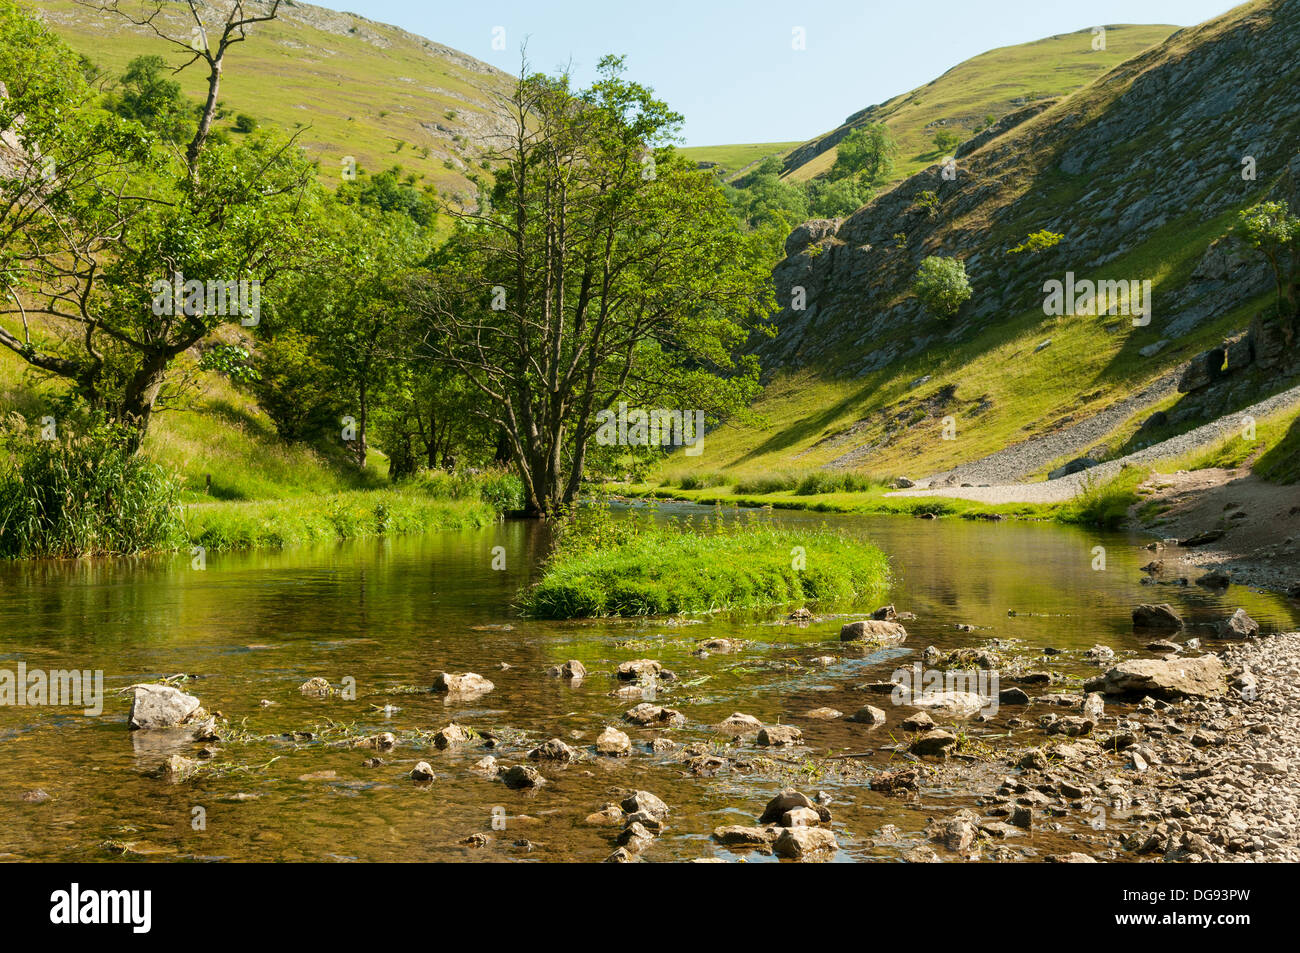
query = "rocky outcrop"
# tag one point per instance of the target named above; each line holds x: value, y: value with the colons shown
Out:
x: 1209, y: 85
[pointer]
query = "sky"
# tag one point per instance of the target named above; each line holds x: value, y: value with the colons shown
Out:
x: 729, y: 66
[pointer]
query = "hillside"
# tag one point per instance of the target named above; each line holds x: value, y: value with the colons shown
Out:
x: 993, y: 84
x: 361, y: 88
x: 1142, y: 173
x: 730, y: 159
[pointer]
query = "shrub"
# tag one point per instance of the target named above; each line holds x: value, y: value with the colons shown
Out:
x: 942, y: 286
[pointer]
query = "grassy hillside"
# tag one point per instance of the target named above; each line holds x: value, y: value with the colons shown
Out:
x: 221, y: 434
x: 732, y: 159
x: 864, y: 377
x: 991, y: 84
x: 360, y: 88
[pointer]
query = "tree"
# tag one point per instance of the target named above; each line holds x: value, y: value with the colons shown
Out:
x: 152, y: 99
x: 942, y: 286
x: 945, y: 141
x: 600, y: 266
x: 1275, y: 232
x: 96, y: 248
x: 869, y: 150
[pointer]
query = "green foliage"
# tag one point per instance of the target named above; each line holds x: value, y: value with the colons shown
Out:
x: 1275, y: 232
x: 295, y: 387
x: 1104, y: 505
x: 945, y: 141
x: 148, y: 95
x: 357, y: 514
x: 81, y: 493
x: 1036, y: 243
x: 603, y: 566
x: 837, y: 481
x: 245, y: 123
x: 942, y: 286
x: 868, y: 150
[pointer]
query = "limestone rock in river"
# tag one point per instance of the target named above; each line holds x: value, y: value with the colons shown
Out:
x: 572, y: 669
x: 423, y: 771
x: 868, y: 715
x: 788, y: 800
x: 779, y: 736
x: 1160, y: 616
x: 450, y: 736
x: 553, y: 750
x: 805, y: 843
x: 936, y: 743
x: 316, y: 687
x: 522, y: 776
x: 746, y: 838
x: 1240, y: 626
x: 1170, y: 678
x: 470, y: 683
x: 161, y: 706
x: 738, y: 723
x: 645, y: 802
x: 872, y: 630
x: 614, y: 743
x: 648, y: 715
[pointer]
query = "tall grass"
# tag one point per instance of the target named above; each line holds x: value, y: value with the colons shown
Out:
x: 431, y: 500
x: 81, y: 493
x: 1105, y: 504
x: 606, y: 567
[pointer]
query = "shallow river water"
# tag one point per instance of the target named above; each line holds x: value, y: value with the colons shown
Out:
x: 390, y: 614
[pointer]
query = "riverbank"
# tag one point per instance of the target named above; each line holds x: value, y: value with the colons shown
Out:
x: 1207, y: 779
x: 433, y: 501
x: 1099, y: 504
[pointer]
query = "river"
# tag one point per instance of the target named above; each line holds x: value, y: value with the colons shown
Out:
x: 387, y: 615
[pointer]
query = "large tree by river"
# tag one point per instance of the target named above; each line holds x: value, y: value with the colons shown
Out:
x: 599, y: 266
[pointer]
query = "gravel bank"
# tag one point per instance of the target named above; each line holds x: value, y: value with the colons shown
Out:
x: 1018, y: 459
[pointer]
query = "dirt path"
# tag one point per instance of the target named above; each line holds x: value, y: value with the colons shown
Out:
x: 1023, y: 458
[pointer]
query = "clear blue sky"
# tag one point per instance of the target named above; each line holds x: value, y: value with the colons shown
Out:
x: 728, y: 66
